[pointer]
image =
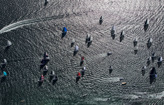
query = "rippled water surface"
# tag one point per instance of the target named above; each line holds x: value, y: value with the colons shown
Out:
x: 34, y: 29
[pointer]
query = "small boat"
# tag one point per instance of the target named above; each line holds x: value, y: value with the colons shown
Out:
x: 64, y: 30
x: 113, y: 31
x: 78, y: 77
x: 45, y: 56
x: 110, y: 69
x: 153, y: 56
x: 46, y: 2
x: 4, y: 63
x: 153, y: 75
x: 83, y: 71
x: 52, y: 74
x: 121, y: 78
x: 101, y: 20
x: 150, y: 40
x: 90, y: 39
x: 4, y: 74
x: 45, y: 68
x: 41, y: 79
x: 136, y: 50
x: 109, y: 53
x: 76, y: 48
x: 73, y: 42
x: 82, y: 61
x: 160, y: 59
x: 45, y: 59
x: 143, y: 70
x: 135, y: 42
x: 146, y: 24
x: 148, y: 61
x: 123, y: 83
x: 87, y: 38
x: 9, y: 43
x: 54, y: 80
x: 122, y: 35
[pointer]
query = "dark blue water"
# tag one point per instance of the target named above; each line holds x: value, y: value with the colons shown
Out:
x: 34, y: 29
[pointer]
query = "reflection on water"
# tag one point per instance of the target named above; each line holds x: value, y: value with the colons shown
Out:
x: 34, y: 29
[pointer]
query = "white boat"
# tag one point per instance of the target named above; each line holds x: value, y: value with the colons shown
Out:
x: 88, y: 38
x: 160, y: 59
x: 113, y: 31
x: 4, y: 61
x: 52, y: 73
x: 45, y: 68
x: 147, y: 22
x: 122, y: 34
x: 150, y: 40
x: 73, y: 41
x: 9, y: 43
x: 76, y: 48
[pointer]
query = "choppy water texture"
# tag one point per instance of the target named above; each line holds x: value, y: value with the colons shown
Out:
x: 34, y: 28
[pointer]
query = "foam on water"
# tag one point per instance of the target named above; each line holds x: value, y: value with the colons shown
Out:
x: 131, y: 96
x: 156, y: 95
x: 111, y: 79
x: 145, y: 95
x: 101, y: 99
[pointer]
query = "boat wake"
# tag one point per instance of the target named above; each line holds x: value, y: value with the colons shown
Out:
x: 111, y: 79
x: 144, y: 95
x: 22, y: 23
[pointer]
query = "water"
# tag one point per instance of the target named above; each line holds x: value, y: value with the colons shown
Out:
x: 34, y: 28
